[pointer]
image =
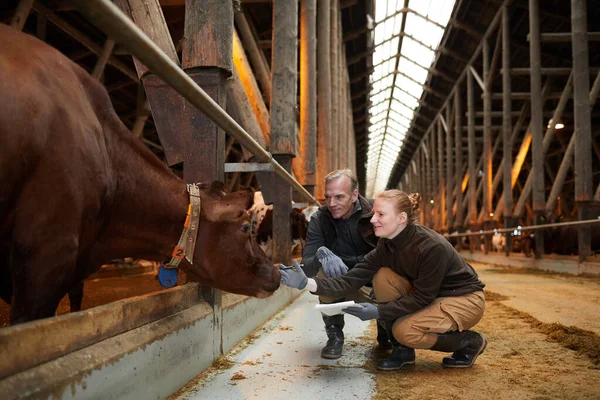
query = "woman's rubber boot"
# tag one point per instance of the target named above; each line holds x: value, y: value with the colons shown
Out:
x: 465, y: 346
x: 334, y: 326
x: 401, y: 356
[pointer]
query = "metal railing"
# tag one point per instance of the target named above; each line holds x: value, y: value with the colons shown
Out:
x: 116, y: 25
x: 523, y: 228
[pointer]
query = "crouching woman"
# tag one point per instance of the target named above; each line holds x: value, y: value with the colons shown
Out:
x: 428, y: 297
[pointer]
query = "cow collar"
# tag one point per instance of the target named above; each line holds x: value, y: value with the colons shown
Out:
x: 187, y: 242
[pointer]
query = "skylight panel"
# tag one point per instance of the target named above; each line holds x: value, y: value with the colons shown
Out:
x: 399, y: 91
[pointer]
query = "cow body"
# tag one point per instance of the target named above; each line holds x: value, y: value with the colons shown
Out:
x: 78, y: 190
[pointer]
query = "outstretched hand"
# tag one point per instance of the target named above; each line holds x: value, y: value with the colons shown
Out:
x: 293, y: 276
x: 364, y: 311
x: 332, y: 265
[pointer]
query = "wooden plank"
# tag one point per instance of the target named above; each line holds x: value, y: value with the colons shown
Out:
x: 27, y: 345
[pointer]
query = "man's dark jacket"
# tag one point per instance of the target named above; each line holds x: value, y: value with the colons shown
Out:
x: 322, y: 232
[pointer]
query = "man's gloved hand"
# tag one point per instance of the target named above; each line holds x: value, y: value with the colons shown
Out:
x: 332, y: 265
x: 293, y: 276
x: 366, y: 312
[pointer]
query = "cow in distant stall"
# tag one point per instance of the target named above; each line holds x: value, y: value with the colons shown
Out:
x: 262, y: 222
x: 79, y: 190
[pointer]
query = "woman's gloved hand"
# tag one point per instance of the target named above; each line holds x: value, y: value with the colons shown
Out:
x: 332, y: 265
x: 293, y: 276
x: 364, y: 311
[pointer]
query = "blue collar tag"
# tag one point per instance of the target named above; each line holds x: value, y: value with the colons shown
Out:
x: 167, y: 277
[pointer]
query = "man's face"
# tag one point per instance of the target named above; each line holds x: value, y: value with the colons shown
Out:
x: 340, y: 198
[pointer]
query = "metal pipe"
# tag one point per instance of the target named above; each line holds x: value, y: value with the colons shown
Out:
x: 506, y: 109
x: 108, y: 18
x: 525, y: 228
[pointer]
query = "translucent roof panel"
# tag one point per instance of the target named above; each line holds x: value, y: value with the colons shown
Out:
x: 401, y: 60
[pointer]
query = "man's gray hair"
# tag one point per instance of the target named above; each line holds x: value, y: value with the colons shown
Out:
x: 343, y: 172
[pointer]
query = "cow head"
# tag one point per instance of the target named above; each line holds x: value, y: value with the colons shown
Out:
x: 227, y: 256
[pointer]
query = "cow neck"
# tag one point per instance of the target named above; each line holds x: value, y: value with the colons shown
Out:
x: 151, y: 201
x: 187, y: 241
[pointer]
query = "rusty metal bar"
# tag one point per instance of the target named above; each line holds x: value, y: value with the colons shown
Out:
x: 487, y: 134
x: 105, y: 15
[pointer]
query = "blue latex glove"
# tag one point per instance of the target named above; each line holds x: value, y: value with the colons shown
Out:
x: 332, y: 265
x: 366, y: 312
x: 293, y: 276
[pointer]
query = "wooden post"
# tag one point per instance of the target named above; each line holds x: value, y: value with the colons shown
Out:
x: 308, y: 93
x: 260, y: 66
x: 536, y: 120
x: 584, y: 190
x: 449, y: 169
x: 422, y: 179
x: 248, y: 81
x: 335, y: 103
x: 472, y: 194
x: 103, y: 59
x: 487, y: 142
x: 323, y: 94
x: 20, y: 16
x: 434, y: 188
x: 42, y: 24
x: 509, y: 221
x: 283, y: 118
x: 459, y: 221
x: 442, y: 204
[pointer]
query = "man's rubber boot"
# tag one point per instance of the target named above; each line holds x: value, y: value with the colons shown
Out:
x: 401, y: 356
x: 465, y: 346
x: 334, y: 326
x: 382, y: 336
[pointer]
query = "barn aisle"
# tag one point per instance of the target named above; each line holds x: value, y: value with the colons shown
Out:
x: 282, y: 361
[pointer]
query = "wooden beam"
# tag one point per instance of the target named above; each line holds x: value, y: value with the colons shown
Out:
x: 83, y: 39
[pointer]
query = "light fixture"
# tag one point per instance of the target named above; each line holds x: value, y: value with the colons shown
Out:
x: 558, y: 125
x: 432, y: 201
x: 492, y: 215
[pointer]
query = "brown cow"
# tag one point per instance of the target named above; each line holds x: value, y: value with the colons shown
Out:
x: 78, y: 190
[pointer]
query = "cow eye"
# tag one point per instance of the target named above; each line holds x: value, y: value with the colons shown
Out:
x: 246, y: 228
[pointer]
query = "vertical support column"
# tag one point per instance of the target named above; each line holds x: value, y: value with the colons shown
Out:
x: 283, y: 118
x: 334, y: 132
x: 308, y: 93
x: 584, y: 190
x: 207, y: 53
x: 537, y: 151
x: 472, y: 193
x: 434, y: 187
x: 449, y: 169
x: 487, y: 143
x: 509, y: 220
x: 459, y: 221
x: 422, y: 179
x: 442, y: 204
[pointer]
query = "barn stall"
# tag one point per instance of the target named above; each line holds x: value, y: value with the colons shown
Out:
x: 188, y: 327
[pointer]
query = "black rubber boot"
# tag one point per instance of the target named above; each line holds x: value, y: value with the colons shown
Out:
x: 465, y: 346
x: 382, y: 336
x: 401, y: 356
x: 334, y: 326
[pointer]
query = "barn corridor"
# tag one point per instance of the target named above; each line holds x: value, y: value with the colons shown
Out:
x: 281, y: 359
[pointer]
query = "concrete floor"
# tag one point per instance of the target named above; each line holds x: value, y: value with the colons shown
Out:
x: 282, y: 361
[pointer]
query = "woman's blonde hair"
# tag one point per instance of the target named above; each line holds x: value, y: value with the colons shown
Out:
x: 403, y: 202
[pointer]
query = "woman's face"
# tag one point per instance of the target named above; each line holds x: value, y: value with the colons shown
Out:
x: 385, y: 220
